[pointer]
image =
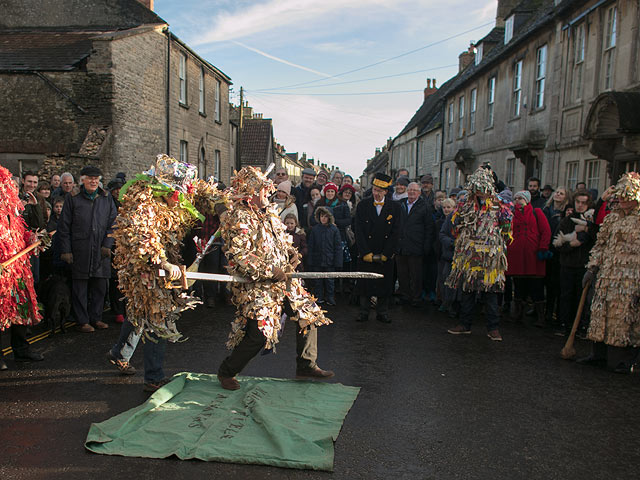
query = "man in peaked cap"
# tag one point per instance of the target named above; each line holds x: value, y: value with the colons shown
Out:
x: 84, y: 232
x: 378, y: 222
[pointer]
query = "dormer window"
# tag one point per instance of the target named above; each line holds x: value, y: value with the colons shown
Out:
x: 478, y: 58
x: 508, y: 29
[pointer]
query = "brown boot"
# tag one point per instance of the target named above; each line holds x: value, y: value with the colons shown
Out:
x: 314, y: 372
x: 229, y: 383
x: 540, y: 322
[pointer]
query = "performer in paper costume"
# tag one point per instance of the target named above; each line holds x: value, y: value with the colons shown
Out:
x: 18, y: 302
x: 157, y: 210
x: 614, y: 264
x: 258, y: 247
x: 482, y: 226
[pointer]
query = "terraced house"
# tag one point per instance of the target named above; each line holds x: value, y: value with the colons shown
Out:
x: 106, y: 83
x: 552, y: 92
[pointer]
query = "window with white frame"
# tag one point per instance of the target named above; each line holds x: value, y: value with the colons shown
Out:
x: 517, y: 87
x: 609, y: 46
x: 201, y: 91
x: 450, y: 122
x: 593, y: 173
x: 510, y: 172
x: 217, y: 102
x: 436, y: 150
x: 217, y: 165
x: 461, y: 116
x: 508, y: 29
x: 202, y: 164
x: 491, y: 99
x: 184, y: 156
x: 472, y: 110
x: 572, y: 174
x: 541, y: 73
x: 447, y: 178
x: 478, y: 56
x: 458, y: 177
x: 578, y: 61
x: 182, y: 72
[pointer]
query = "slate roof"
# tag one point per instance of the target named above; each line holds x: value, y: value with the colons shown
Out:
x: 43, y: 51
x: 546, y: 13
x: 256, y: 140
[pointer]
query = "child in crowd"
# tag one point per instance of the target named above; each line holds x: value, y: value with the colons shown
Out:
x: 298, y: 236
x: 446, y: 240
x: 310, y: 206
x: 325, y: 254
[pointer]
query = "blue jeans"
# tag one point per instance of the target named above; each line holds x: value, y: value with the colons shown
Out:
x: 154, y: 350
x: 468, y: 304
x: 324, y: 288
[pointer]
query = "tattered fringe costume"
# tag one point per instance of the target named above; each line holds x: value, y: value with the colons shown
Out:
x: 615, y: 309
x: 480, y: 256
x: 18, y: 302
x: 148, y: 232
x: 256, y: 241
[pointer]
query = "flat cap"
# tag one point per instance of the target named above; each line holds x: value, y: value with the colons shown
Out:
x: 309, y: 171
x: 91, y: 171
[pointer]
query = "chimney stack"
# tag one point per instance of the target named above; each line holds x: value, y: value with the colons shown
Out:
x: 431, y: 89
x: 503, y: 10
x: 466, y: 58
x: 147, y: 3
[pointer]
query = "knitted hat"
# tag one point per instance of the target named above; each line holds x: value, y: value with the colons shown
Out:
x: 285, y: 187
x: 330, y: 186
x: 523, y: 194
x: 323, y: 172
x: 348, y: 186
x: 506, y: 196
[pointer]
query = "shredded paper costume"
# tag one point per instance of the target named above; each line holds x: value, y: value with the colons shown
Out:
x: 18, y: 303
x: 256, y: 241
x: 615, y: 309
x: 149, y: 232
x: 482, y: 226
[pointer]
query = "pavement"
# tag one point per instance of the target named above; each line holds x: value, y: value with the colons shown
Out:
x: 431, y: 406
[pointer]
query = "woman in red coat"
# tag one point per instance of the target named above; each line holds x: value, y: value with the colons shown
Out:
x: 527, y: 253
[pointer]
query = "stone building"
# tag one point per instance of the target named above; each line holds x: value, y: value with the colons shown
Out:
x: 550, y: 93
x: 106, y: 83
x: 380, y: 162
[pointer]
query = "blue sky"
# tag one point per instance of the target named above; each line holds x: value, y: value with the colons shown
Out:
x: 295, y: 60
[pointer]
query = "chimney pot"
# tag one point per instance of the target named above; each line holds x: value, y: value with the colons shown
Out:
x: 147, y: 3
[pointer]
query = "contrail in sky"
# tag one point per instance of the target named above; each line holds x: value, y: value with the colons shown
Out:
x: 264, y: 54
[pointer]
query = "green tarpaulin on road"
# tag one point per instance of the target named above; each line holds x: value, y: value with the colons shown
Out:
x: 271, y: 421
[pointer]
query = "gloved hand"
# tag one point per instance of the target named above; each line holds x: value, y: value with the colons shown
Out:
x: 588, y: 277
x: 544, y: 255
x: 368, y: 257
x: 383, y: 258
x: 278, y: 275
x: 105, y: 252
x: 172, y: 270
x: 67, y: 257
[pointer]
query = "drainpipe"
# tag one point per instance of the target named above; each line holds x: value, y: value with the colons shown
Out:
x: 168, y: 93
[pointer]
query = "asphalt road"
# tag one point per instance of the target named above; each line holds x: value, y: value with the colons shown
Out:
x: 432, y: 405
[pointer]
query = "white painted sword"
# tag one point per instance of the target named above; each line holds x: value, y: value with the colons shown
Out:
x: 221, y: 277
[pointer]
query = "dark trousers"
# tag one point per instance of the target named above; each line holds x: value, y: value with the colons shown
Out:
x: 115, y: 297
x: 468, y: 305
x: 213, y: 262
x: 19, y: 342
x: 87, y: 299
x: 430, y: 272
x: 529, y: 287
x: 323, y: 288
x: 570, y: 291
x: 382, y: 305
x: 552, y: 286
x: 254, y: 340
x: 615, y: 356
x: 410, y: 276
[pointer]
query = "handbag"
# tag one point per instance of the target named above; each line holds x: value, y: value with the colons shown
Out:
x: 351, y: 237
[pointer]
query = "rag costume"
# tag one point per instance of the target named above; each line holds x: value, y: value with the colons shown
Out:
x: 615, y: 309
x: 149, y: 232
x: 256, y: 241
x: 482, y: 228
x: 18, y: 302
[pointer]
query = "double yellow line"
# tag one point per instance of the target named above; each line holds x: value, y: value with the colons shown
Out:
x: 40, y: 336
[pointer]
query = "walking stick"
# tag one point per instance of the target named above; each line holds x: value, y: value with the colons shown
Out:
x: 568, y: 352
x: 18, y: 255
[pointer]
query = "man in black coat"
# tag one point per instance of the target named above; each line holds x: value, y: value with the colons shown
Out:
x: 301, y: 192
x: 415, y: 242
x: 378, y: 221
x: 84, y: 227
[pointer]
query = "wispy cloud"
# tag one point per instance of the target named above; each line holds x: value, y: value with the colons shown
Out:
x: 281, y: 60
x: 275, y: 14
x: 343, y: 48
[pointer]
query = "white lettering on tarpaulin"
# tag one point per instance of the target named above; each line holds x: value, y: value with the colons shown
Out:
x: 216, y: 403
x: 238, y: 421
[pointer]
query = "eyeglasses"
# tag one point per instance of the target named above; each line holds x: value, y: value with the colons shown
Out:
x: 281, y: 174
